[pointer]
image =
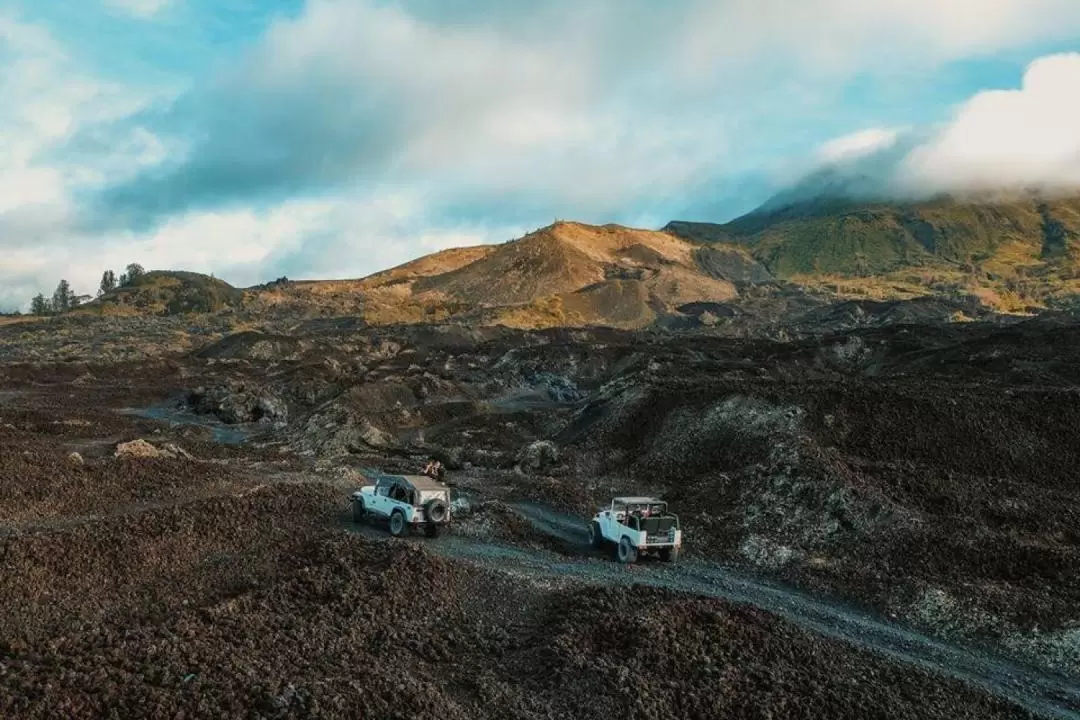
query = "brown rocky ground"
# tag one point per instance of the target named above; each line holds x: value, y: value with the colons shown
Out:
x: 924, y: 473
x: 250, y: 603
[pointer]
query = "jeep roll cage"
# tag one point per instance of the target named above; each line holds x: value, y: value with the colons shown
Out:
x: 644, y: 513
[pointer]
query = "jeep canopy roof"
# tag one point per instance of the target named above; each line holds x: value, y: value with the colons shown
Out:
x: 418, y: 482
x: 637, y: 501
x: 423, y: 482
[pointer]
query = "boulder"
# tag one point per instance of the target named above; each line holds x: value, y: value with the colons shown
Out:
x: 237, y: 402
x: 538, y: 457
x: 142, y: 449
x: 368, y: 434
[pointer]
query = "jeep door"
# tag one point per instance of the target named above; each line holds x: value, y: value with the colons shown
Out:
x: 380, y: 501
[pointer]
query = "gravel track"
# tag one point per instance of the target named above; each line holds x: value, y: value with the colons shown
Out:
x: 1044, y: 694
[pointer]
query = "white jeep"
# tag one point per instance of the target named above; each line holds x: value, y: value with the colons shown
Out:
x: 408, y: 501
x: 636, y: 525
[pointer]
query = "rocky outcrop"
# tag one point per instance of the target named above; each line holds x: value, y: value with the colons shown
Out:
x: 538, y: 457
x: 239, y: 402
x: 141, y: 449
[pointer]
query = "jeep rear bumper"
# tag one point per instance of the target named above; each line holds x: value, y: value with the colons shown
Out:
x: 419, y: 519
x: 650, y: 542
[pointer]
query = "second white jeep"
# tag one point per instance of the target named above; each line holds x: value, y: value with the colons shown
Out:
x: 637, y: 525
x: 407, y: 501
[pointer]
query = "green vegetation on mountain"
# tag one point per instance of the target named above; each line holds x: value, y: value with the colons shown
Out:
x: 876, y: 238
x: 1015, y: 255
x: 163, y: 292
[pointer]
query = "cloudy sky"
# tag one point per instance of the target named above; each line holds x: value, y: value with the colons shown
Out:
x: 333, y: 138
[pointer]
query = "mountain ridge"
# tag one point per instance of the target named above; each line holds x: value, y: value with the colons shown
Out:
x: 1019, y: 256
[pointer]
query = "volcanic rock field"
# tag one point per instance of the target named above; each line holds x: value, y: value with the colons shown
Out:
x: 879, y: 523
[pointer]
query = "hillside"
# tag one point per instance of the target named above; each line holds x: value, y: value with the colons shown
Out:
x: 170, y: 292
x: 1016, y: 254
x: 564, y: 274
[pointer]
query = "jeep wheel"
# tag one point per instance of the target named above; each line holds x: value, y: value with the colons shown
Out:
x: 431, y: 530
x: 669, y: 554
x: 435, y: 510
x: 398, y: 526
x: 358, y: 511
x: 626, y: 552
x: 596, y: 537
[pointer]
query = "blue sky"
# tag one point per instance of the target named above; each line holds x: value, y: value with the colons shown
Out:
x: 333, y: 138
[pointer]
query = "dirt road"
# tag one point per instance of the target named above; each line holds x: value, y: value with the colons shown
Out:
x: 1044, y: 694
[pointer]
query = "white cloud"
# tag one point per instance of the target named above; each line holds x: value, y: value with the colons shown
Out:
x: 47, y: 99
x: 883, y: 35
x: 1028, y: 137
x: 341, y: 237
x: 232, y: 244
x: 584, y: 113
x: 857, y: 144
x: 144, y: 9
x: 998, y: 141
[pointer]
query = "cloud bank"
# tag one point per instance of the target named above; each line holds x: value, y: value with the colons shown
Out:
x: 998, y: 141
x: 356, y: 134
x: 1023, y: 138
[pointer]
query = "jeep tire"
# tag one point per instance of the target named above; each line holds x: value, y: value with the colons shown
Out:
x: 358, y: 511
x: 626, y: 552
x: 398, y: 526
x: 596, y: 536
x: 436, y: 510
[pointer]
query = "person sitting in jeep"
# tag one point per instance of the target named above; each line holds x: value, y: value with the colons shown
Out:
x: 435, y: 470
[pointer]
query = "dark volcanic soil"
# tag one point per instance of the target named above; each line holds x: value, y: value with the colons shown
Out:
x: 925, y: 474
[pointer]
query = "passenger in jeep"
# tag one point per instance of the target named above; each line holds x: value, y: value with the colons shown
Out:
x: 435, y: 470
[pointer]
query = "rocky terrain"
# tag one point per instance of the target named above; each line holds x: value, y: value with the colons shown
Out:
x: 880, y: 520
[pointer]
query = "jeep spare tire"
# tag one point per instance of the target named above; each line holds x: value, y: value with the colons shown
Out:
x: 436, y: 510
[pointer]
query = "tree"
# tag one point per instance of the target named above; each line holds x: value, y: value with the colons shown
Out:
x: 108, y: 282
x: 62, y: 297
x: 134, y: 271
x: 39, y: 305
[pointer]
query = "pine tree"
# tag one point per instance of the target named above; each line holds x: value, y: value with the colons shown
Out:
x: 61, y: 301
x: 108, y: 282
